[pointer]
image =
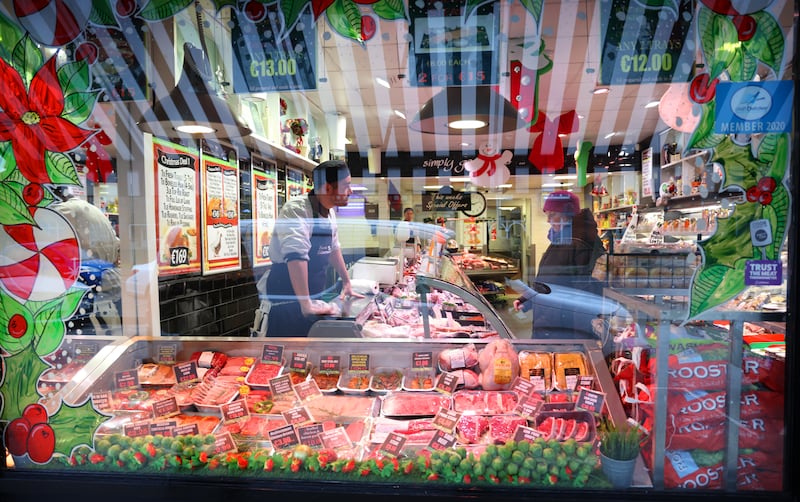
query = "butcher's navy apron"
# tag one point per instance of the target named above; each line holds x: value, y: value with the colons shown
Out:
x: 285, y: 317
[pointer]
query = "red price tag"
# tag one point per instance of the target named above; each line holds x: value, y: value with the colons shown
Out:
x: 235, y: 411
x: 128, y: 379
x: 283, y: 437
x: 447, y: 383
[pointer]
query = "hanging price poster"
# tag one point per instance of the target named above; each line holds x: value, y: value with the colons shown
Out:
x: 449, y: 48
x: 177, y: 181
x: 265, y: 207
x: 221, y: 242
x: 268, y: 60
x: 644, y: 43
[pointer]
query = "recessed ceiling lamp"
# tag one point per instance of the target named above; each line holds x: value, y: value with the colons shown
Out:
x: 478, y: 110
x: 609, y: 135
x: 556, y: 185
x: 383, y: 82
x: 565, y: 177
x: 400, y: 114
x: 601, y: 90
x: 652, y: 104
x: 193, y: 108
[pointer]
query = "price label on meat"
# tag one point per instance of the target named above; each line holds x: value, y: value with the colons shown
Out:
x: 422, y: 360
x: 223, y: 443
x: 186, y: 372
x: 299, y: 361
x: 590, y: 400
x: 165, y: 429
x: 392, y: 446
x: 307, y: 390
x: 166, y: 407
x: 297, y: 416
x: 136, y: 430
x: 441, y: 440
x: 309, y: 435
x: 128, y: 379
x: 336, y: 438
x: 235, y: 411
x: 167, y: 354
x: 221, y: 242
x: 272, y: 354
x: 281, y: 385
x: 329, y: 364
x: 177, y: 181
x: 584, y: 382
x: 528, y: 407
x: 359, y: 362
x: 446, y: 420
x: 523, y: 433
x: 102, y: 401
x: 522, y: 387
x: 447, y: 383
x: 187, y: 430
x: 283, y: 437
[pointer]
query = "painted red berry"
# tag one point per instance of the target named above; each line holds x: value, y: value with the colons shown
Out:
x: 255, y: 11
x: 767, y: 184
x: 753, y: 193
x: 368, y: 27
x: 126, y: 7
x: 765, y: 198
x: 87, y: 51
x: 745, y: 27
x: 32, y: 194
x: 35, y: 413
x: 703, y: 89
x: 41, y: 443
x: 17, y: 326
x: 16, y: 436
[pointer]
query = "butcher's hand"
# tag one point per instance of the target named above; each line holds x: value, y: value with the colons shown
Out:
x: 517, y: 305
x: 319, y: 308
x: 348, y: 293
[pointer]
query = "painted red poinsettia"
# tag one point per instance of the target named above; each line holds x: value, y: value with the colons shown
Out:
x: 32, y: 120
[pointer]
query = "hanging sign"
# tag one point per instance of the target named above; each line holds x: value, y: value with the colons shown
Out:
x: 449, y: 48
x: 446, y: 201
x: 644, y: 44
x: 221, y: 243
x: 177, y: 173
x: 264, y: 208
x: 268, y: 60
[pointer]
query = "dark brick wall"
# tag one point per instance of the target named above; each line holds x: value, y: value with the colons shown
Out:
x: 218, y: 305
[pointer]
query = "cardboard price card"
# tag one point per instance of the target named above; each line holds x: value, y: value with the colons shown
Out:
x: 165, y: 429
x: 166, y: 407
x: 590, y: 400
x: 284, y: 437
x: 528, y: 406
x: 422, y: 360
x: 297, y: 416
x: 281, y: 385
x: 137, y: 429
x: 447, y: 383
x: 102, y: 401
x: 224, y: 443
x: 307, y: 390
x: 336, y: 439
x: 441, y: 441
x: 128, y: 379
x: 392, y: 446
x: 359, y: 362
x: 272, y: 354
x: 446, y: 420
x: 329, y: 364
x: 235, y: 411
x: 186, y: 372
x: 523, y: 433
x: 309, y: 435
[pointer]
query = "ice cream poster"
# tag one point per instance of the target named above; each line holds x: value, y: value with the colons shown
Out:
x: 177, y: 201
x: 221, y: 241
x: 265, y: 207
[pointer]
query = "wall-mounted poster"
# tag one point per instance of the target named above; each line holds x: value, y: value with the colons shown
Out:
x: 221, y: 242
x: 265, y: 208
x: 295, y: 183
x: 177, y: 181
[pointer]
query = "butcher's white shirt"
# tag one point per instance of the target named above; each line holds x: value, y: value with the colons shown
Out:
x: 293, y: 229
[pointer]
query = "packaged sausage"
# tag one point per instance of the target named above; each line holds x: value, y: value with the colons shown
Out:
x: 536, y: 364
x: 568, y: 366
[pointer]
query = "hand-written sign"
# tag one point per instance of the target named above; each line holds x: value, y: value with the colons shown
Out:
x: 447, y: 201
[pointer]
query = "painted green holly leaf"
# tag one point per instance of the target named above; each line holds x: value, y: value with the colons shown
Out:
x: 14, y: 210
x: 158, y: 10
x: 20, y: 391
x: 743, y: 67
x: 768, y: 42
x: 731, y: 241
x: 345, y: 19
x: 741, y: 169
x: 79, y: 105
x: 471, y: 5
x: 291, y: 10
x: 703, y: 135
x: 718, y: 39
x: 74, y: 77
x: 50, y: 331
x: 10, y: 35
x: 75, y: 426
x: 534, y: 7
x: 390, y: 9
x: 26, y: 58
x: 61, y: 170
x: 714, y: 286
x: 14, y: 338
x: 102, y: 14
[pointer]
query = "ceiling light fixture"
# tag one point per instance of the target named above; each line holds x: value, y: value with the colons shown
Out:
x: 383, y: 82
x: 477, y: 109
x: 565, y: 177
x: 652, y: 104
x: 609, y: 135
x: 601, y: 90
x: 555, y: 185
x: 400, y: 114
x: 193, y: 107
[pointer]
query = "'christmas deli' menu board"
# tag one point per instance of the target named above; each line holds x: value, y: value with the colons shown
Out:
x: 221, y: 242
x: 265, y: 208
x: 176, y: 171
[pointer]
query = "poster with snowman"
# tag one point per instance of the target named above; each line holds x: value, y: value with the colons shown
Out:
x: 490, y: 168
